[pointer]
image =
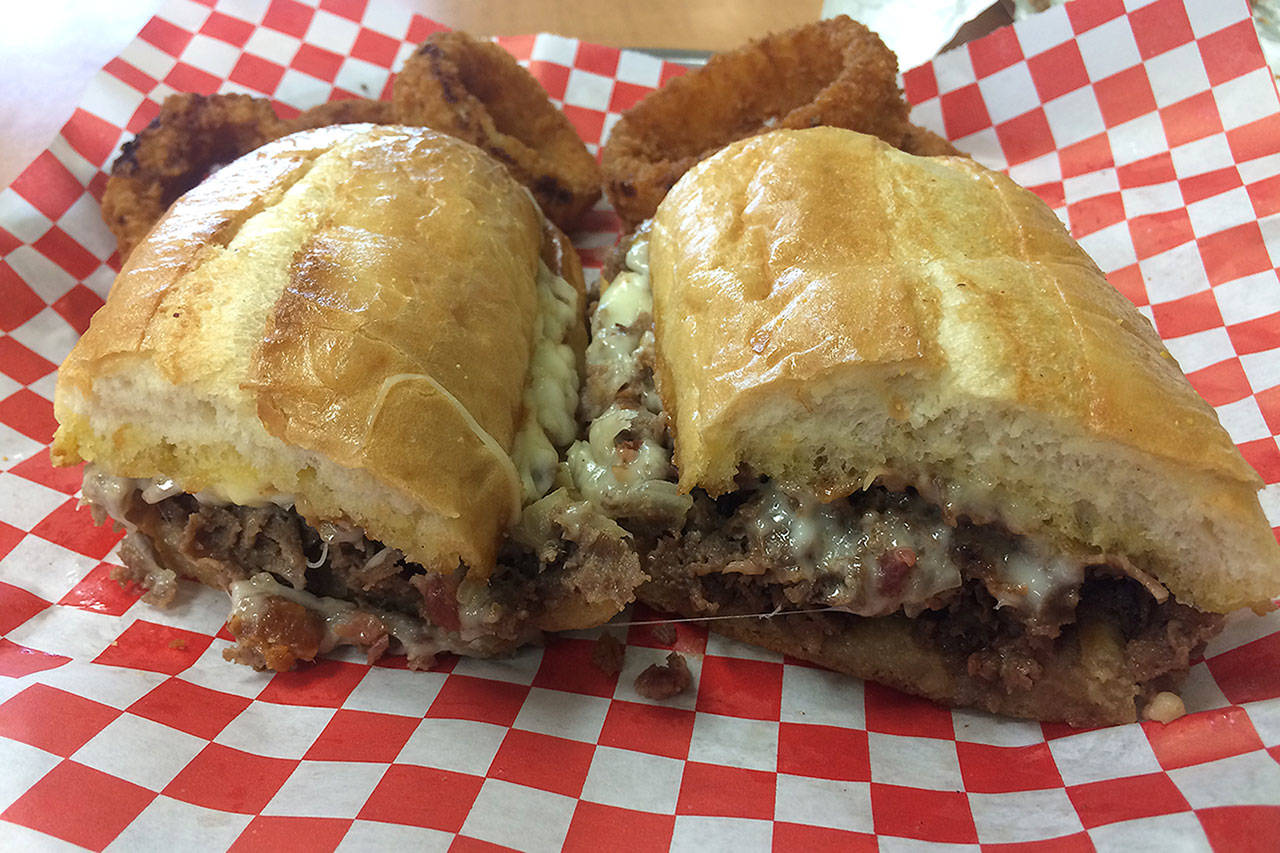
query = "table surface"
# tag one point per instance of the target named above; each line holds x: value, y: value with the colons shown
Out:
x: 54, y: 49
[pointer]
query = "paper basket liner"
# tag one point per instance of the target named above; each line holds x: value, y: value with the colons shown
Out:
x: 1151, y: 128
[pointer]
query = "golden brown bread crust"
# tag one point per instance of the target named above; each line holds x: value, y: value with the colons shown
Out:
x: 829, y: 310
x: 203, y: 225
x: 835, y: 274
x: 352, y: 299
x: 358, y: 314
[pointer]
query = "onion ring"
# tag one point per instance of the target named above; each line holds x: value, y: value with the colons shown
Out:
x: 832, y: 72
x: 456, y: 84
x: 475, y: 90
x: 926, y: 143
x: 191, y: 137
x: 349, y: 111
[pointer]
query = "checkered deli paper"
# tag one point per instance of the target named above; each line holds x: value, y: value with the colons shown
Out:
x: 1153, y: 129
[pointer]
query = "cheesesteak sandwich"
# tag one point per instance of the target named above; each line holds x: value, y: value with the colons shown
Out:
x: 917, y: 432
x: 335, y: 380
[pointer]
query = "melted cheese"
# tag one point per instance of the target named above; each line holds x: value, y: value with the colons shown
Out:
x: 1030, y: 576
x: 421, y: 641
x: 551, y: 394
x: 621, y: 329
x: 626, y: 476
x: 638, y: 487
x: 841, y: 548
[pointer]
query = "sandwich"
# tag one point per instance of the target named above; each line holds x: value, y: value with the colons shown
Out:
x: 880, y: 412
x: 335, y: 380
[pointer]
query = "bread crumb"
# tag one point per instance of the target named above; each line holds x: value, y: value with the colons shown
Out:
x: 607, y: 654
x: 662, y: 681
x: 1164, y: 708
x: 178, y: 643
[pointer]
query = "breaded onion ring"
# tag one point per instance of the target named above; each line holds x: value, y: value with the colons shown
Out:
x: 475, y: 90
x: 833, y: 72
x: 459, y: 85
x: 349, y: 111
x: 192, y: 136
x: 926, y: 143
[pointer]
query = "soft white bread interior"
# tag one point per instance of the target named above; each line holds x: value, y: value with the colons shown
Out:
x: 830, y: 311
x: 342, y: 319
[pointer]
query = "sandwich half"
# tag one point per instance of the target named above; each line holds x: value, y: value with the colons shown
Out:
x: 335, y: 380
x: 886, y: 409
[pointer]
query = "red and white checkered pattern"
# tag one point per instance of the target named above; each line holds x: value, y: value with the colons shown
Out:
x: 1152, y: 128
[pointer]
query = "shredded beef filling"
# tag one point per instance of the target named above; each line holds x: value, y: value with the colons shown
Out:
x: 608, y: 654
x: 719, y: 564
x: 663, y: 681
x: 229, y: 546
x: 221, y: 544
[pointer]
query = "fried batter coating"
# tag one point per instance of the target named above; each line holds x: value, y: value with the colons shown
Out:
x: 832, y: 72
x: 475, y: 90
x: 926, y: 143
x: 192, y: 136
x: 456, y: 84
x: 349, y: 111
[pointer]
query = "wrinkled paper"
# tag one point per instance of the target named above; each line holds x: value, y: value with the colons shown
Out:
x: 915, y: 31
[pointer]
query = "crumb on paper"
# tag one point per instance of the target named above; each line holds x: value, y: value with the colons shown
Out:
x: 607, y: 654
x: 178, y: 643
x: 662, y: 681
x: 665, y: 633
x: 1164, y: 708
